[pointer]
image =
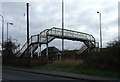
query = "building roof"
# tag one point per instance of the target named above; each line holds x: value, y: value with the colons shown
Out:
x: 51, y: 50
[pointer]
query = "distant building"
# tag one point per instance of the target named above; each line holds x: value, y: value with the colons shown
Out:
x: 51, y: 50
x: 53, y: 53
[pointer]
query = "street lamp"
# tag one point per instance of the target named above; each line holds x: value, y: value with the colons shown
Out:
x: 7, y: 29
x: 2, y: 32
x: 62, y: 28
x: 100, y: 30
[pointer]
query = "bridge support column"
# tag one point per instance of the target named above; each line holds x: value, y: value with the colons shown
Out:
x: 31, y: 52
x: 38, y: 51
x: 47, y: 47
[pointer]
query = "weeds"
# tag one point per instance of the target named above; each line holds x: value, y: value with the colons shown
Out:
x: 68, y: 63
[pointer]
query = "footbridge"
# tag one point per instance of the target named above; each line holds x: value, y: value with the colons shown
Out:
x: 46, y: 36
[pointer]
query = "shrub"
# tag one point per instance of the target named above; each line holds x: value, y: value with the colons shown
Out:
x: 106, y: 59
x: 68, y: 63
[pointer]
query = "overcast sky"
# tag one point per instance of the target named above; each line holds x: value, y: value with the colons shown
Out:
x: 80, y: 15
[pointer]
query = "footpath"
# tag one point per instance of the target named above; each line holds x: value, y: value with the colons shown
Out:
x: 64, y: 74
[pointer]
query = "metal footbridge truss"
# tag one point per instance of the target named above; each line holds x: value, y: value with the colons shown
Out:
x: 48, y: 35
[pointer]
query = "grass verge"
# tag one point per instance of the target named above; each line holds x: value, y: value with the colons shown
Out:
x: 78, y: 70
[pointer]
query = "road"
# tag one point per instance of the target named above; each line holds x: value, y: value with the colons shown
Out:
x: 18, y: 75
x: 11, y: 75
x: 22, y: 74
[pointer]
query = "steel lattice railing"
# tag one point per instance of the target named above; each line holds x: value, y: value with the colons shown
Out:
x: 49, y: 34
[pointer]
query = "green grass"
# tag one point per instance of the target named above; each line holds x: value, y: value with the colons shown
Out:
x: 79, y: 71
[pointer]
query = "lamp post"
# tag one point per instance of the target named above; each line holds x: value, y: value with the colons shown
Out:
x: 2, y: 32
x: 100, y: 30
x: 62, y: 28
x: 7, y: 29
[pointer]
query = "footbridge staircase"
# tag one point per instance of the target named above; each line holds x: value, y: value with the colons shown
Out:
x: 48, y: 35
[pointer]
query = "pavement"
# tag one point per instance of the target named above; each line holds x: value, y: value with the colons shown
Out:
x: 64, y: 74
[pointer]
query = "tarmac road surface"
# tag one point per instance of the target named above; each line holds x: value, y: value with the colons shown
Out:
x: 18, y: 75
x: 27, y: 74
x: 11, y: 75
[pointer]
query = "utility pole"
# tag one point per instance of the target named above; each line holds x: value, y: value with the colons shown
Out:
x: 2, y: 32
x: 62, y: 28
x: 27, y: 24
x: 100, y: 30
x: 29, y: 60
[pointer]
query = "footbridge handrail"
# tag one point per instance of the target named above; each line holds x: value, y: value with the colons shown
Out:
x: 70, y: 33
x: 48, y: 35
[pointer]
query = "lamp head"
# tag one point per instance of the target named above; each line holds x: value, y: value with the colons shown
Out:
x: 11, y: 23
x: 97, y: 11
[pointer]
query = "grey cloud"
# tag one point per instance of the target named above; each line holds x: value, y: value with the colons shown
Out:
x: 80, y: 16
